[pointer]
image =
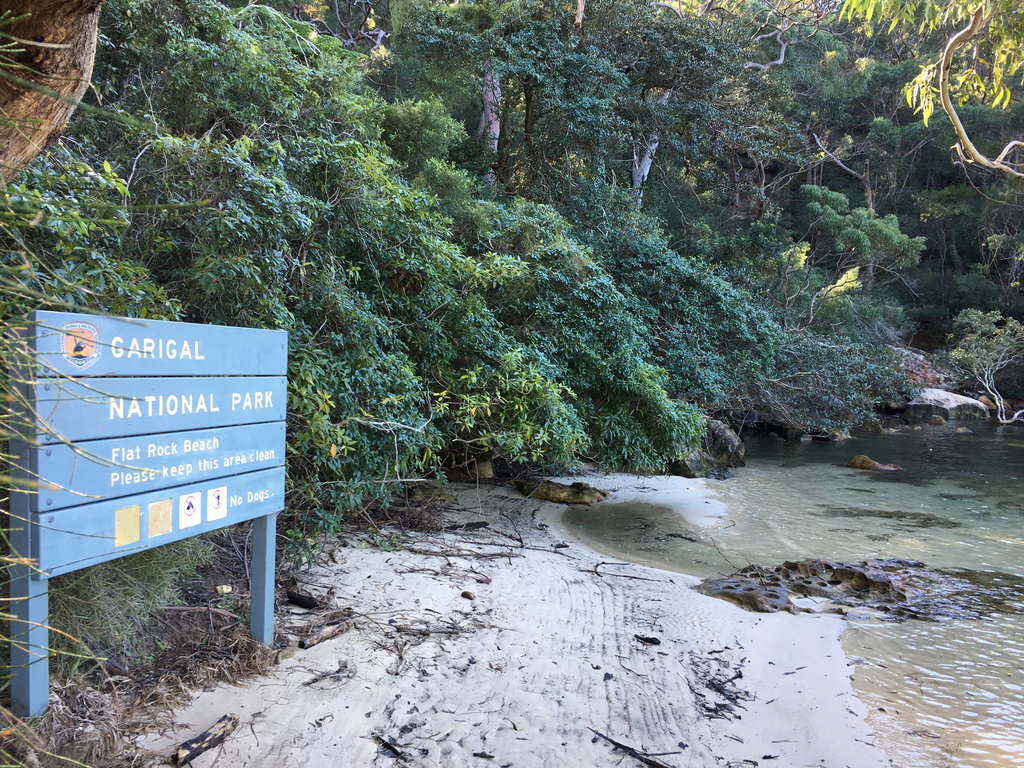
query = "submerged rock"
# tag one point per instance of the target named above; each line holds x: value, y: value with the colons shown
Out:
x: 948, y: 405
x: 896, y: 589
x: 907, y: 520
x: 860, y: 461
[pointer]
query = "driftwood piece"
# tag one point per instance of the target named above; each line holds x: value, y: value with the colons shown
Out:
x: 474, y: 526
x: 648, y: 640
x: 302, y: 600
x: 547, y: 490
x: 325, y: 633
x: 205, y: 741
x: 643, y: 757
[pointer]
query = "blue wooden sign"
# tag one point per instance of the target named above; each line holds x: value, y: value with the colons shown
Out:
x: 81, y: 473
x: 131, y: 434
x: 74, y: 410
x: 91, y: 345
x: 70, y: 539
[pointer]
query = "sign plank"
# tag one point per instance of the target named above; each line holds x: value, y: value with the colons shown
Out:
x: 74, y: 538
x: 86, y: 472
x: 99, y: 408
x: 67, y: 344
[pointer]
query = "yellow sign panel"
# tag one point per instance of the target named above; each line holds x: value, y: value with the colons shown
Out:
x: 160, y: 517
x: 127, y: 525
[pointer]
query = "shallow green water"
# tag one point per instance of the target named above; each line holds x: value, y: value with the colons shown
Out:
x: 947, y: 693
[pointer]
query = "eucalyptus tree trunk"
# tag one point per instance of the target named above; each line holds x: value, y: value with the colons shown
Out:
x: 489, y: 131
x: 42, y: 81
x: 643, y: 157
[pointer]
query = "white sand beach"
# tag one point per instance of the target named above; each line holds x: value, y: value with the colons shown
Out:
x: 511, y: 645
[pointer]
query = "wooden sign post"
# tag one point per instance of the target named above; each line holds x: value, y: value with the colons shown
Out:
x: 131, y: 434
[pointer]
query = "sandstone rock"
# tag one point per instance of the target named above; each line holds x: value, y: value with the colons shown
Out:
x: 861, y: 461
x: 900, y: 589
x: 750, y: 594
x: 948, y: 405
x: 547, y: 490
x: 694, y: 464
x: 935, y: 420
x: 988, y: 402
x: 724, y: 444
x: 472, y: 471
x: 918, y: 367
x: 427, y: 493
x: 962, y: 431
x: 721, y: 448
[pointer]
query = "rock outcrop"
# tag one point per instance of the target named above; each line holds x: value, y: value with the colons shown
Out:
x: 897, y: 589
x: 724, y: 444
x: 548, y: 490
x: 948, y: 405
x: 918, y: 367
x: 694, y: 464
x: 722, y: 448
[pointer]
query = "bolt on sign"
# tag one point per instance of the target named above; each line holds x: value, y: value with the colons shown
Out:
x: 131, y: 434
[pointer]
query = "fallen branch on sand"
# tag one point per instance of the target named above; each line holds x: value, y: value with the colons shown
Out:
x: 620, y: 575
x: 325, y: 633
x: 205, y: 741
x: 643, y: 757
x: 458, y: 552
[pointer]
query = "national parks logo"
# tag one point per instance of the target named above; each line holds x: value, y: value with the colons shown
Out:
x: 80, y: 343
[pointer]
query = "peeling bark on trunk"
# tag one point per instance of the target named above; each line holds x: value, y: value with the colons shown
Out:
x: 58, y: 42
x: 642, y: 162
x: 580, y: 5
x: 642, y: 166
x: 489, y: 131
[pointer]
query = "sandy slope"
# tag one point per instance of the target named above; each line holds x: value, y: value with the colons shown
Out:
x: 503, y: 647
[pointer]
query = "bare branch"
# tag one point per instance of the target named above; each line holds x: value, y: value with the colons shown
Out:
x: 863, y: 178
x: 965, y: 148
x: 672, y: 7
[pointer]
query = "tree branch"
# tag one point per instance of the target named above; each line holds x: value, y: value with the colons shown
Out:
x: 965, y: 149
x: 863, y: 178
x: 671, y: 7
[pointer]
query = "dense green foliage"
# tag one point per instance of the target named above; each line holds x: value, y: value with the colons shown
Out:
x: 543, y: 302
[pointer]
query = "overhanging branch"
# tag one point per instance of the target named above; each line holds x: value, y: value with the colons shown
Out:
x: 965, y: 148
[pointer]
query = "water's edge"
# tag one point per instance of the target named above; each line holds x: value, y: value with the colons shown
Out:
x: 941, y: 694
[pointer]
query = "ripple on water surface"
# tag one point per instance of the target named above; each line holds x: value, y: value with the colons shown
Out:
x: 946, y: 693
